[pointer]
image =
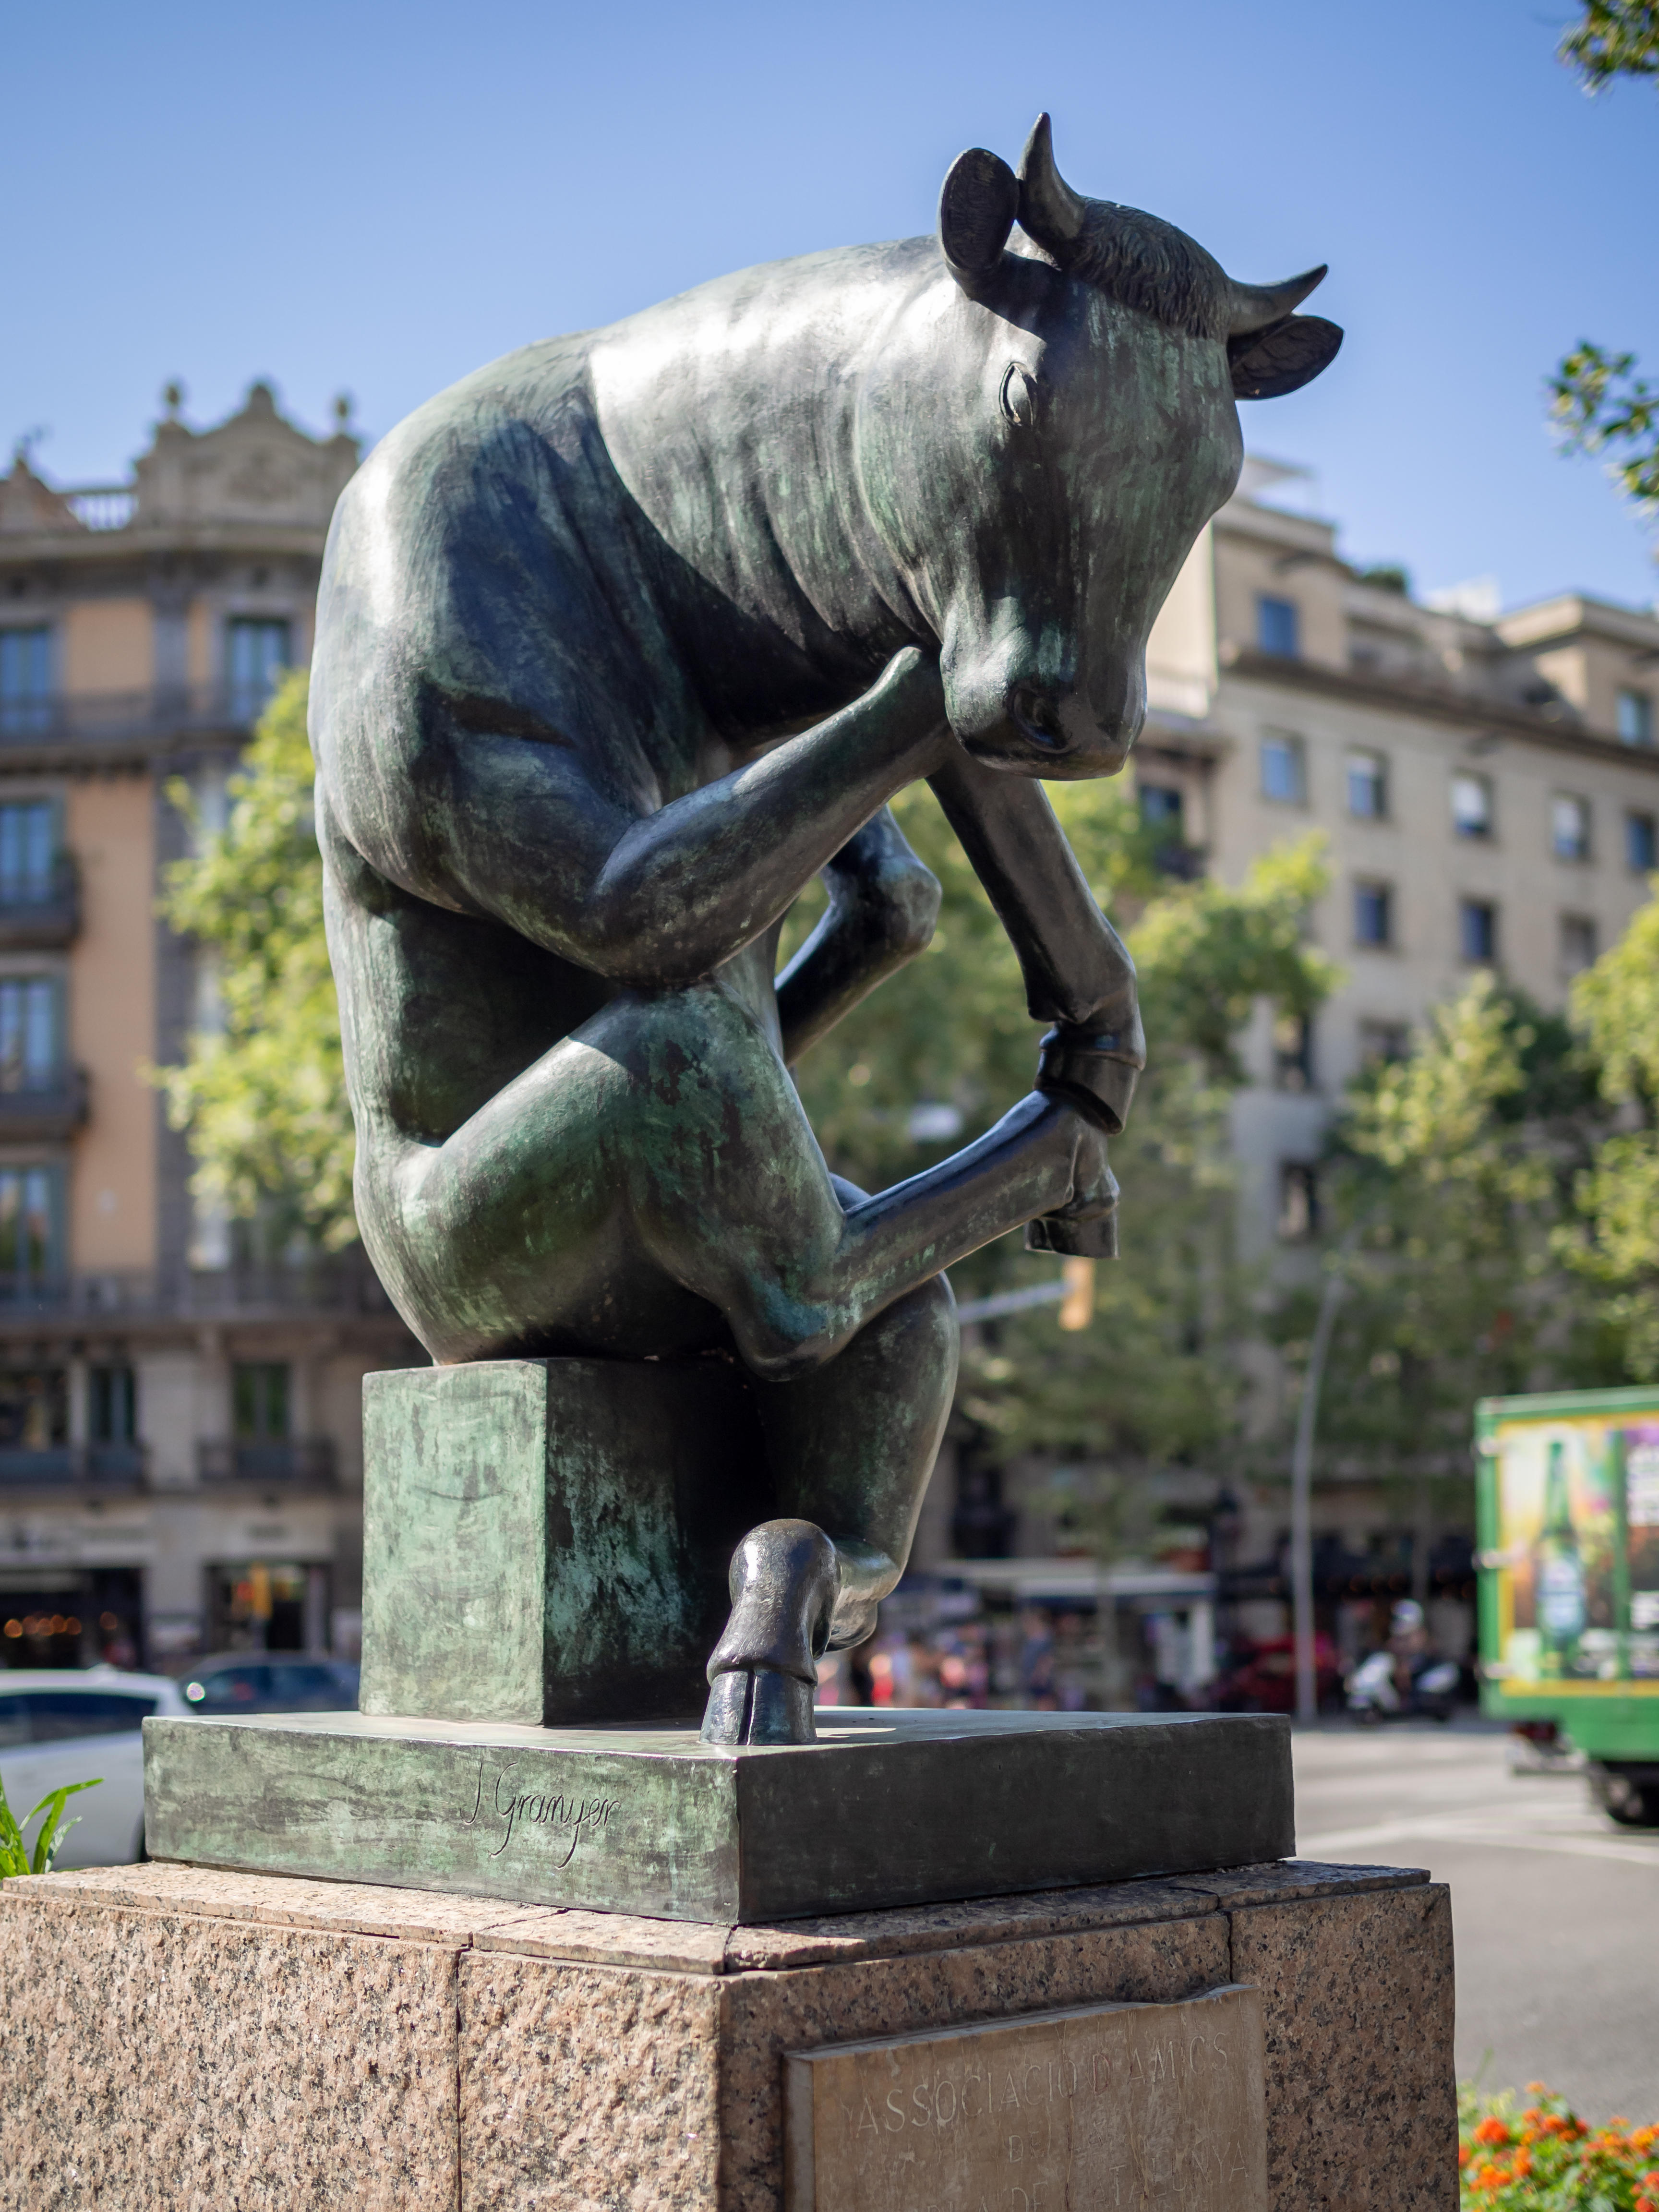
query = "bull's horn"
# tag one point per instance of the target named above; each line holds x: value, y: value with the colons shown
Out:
x: 1049, y: 211
x: 1252, y: 306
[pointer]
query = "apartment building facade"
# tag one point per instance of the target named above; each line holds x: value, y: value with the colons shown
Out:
x: 180, y: 1437
x: 1487, y: 788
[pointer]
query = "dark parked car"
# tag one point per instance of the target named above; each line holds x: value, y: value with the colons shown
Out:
x: 1263, y: 1678
x: 271, y: 1682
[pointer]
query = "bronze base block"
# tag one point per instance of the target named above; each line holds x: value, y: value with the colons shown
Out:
x: 885, y: 1809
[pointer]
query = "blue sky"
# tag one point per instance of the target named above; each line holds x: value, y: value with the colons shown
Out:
x: 380, y: 198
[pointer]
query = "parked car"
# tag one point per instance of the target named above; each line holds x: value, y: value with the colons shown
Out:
x: 1263, y: 1678
x: 59, y: 1725
x: 270, y: 1682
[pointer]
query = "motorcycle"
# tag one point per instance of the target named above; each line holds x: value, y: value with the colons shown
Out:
x: 1374, y: 1694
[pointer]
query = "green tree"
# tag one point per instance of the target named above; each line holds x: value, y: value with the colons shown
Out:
x: 1156, y: 1381
x: 1455, y: 1179
x: 1598, y: 402
x: 1617, y: 1004
x: 263, y: 1093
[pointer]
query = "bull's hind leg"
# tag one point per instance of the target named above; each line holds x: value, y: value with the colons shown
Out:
x: 853, y: 1445
x: 655, y: 1175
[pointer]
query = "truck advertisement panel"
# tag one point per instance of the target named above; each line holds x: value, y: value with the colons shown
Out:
x: 1570, y: 1542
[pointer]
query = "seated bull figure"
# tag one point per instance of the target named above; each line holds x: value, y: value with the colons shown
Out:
x: 624, y: 639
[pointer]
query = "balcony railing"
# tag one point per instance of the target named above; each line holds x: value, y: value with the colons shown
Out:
x: 39, y: 912
x: 45, y: 1112
x: 230, y: 1295
x: 303, y: 1462
x: 104, y: 506
x: 95, y: 1466
x: 130, y: 717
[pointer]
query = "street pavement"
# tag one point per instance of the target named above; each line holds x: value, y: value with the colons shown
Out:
x: 1555, y: 1911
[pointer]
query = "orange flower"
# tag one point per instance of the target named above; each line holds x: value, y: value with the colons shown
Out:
x: 1465, y: 2152
x: 1538, y: 2089
x: 1492, y: 2129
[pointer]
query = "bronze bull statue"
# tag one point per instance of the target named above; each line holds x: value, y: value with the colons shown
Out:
x: 624, y: 639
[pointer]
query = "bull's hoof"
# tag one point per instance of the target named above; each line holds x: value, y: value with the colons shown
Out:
x: 754, y: 1704
x: 785, y: 1581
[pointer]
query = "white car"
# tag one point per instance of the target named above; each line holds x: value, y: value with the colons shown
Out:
x: 59, y: 1725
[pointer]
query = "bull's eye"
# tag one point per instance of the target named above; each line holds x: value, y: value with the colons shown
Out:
x: 1019, y: 395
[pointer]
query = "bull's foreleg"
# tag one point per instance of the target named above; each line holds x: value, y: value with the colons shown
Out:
x: 883, y: 903
x: 1078, y: 977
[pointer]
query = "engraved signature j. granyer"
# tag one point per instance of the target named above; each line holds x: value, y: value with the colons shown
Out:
x: 571, y: 1817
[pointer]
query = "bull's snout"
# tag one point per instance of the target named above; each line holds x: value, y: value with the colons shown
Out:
x: 1061, y: 732
x: 1020, y: 697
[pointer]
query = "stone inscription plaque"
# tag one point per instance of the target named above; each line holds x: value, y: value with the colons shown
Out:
x: 1082, y: 2111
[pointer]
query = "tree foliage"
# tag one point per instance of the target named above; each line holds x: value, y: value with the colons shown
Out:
x: 1614, y: 39
x: 1616, y: 1004
x: 262, y: 1092
x: 1456, y: 1176
x: 1598, y: 402
x: 1156, y: 1380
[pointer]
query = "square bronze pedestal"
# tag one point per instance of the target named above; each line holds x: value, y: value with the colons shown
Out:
x: 887, y: 1808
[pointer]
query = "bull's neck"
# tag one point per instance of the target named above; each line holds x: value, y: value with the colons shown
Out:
x: 729, y: 413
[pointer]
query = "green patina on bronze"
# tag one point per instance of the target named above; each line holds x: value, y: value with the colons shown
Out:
x: 624, y: 639
x: 885, y: 1809
x: 547, y: 1539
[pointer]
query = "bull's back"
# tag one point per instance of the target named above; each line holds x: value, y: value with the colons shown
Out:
x: 469, y: 586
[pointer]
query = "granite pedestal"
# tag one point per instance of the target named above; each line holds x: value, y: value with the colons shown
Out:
x: 180, y: 2040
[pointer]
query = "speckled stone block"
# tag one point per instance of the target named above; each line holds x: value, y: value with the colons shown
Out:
x: 1358, y: 2005
x: 187, y: 2039
x: 164, y: 2062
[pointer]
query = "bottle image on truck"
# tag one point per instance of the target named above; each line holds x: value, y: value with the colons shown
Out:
x: 1559, y: 1572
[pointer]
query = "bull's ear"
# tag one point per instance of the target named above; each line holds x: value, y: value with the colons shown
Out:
x: 976, y: 211
x: 1288, y: 354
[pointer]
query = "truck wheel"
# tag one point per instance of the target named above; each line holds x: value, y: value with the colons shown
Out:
x: 1631, y: 1803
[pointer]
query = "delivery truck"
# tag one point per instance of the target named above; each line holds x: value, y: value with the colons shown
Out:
x: 1567, y: 1504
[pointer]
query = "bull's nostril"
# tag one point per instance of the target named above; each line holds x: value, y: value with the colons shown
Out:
x: 1037, y: 716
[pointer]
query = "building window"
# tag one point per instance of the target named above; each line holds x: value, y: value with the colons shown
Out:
x: 1298, y: 1201
x: 28, y: 847
x: 1635, y: 717
x: 1277, y: 628
x: 1641, y: 845
x: 34, y: 1408
x: 1477, y: 930
x: 1160, y: 807
x: 111, y: 1405
x: 259, y: 1392
x: 30, y: 1211
x: 1293, y: 1053
x: 1284, y: 768
x: 28, y: 1033
x: 1368, y: 786
x: 257, y: 655
x: 1577, y: 943
x: 1471, y: 802
x: 1373, y: 913
x: 1570, y: 827
x: 25, y: 680
x: 1384, y: 1041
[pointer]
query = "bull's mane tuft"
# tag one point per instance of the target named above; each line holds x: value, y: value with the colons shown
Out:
x: 1144, y: 263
